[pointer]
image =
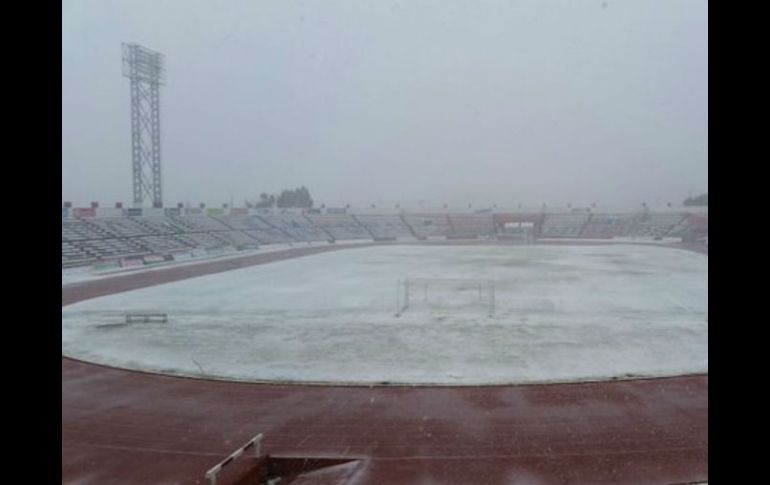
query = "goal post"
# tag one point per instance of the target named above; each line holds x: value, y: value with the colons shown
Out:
x: 447, y: 294
x: 146, y: 317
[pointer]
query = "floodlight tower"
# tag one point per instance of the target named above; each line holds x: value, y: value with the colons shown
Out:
x: 145, y: 70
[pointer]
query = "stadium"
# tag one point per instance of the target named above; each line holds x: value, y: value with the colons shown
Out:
x: 450, y: 309
x: 384, y: 346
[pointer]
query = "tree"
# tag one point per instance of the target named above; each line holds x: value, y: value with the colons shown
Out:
x: 289, y: 198
x: 266, y: 201
x: 700, y: 200
x: 302, y: 198
x: 297, y: 198
x: 286, y: 199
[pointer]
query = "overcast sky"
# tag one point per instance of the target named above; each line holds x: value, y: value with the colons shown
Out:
x: 386, y: 102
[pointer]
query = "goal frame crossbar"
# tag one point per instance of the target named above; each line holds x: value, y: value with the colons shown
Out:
x: 146, y: 317
x: 406, y: 285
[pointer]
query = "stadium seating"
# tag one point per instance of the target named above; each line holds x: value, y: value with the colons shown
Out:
x: 204, y: 240
x: 690, y: 228
x: 119, y: 226
x: 163, y: 244
x: 77, y: 229
x: 340, y: 226
x: 200, y: 223
x: 111, y: 248
x: 429, y: 225
x: 257, y: 229
x: 296, y: 226
x: 160, y: 225
x: 471, y: 225
x: 238, y: 239
x: 384, y: 226
x: 72, y: 255
x: 89, y: 240
x: 563, y: 225
x: 605, y: 226
x: 654, y: 225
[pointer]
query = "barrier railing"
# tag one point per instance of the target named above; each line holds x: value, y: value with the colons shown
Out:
x: 255, y: 442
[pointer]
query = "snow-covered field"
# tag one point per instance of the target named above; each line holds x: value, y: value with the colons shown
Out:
x: 562, y: 313
x: 86, y: 273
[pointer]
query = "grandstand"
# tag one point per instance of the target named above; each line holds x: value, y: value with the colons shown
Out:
x: 163, y: 244
x: 93, y: 239
x: 654, y: 225
x: 239, y: 239
x: 340, y: 226
x: 606, y: 226
x: 118, y: 226
x: 256, y: 229
x: 203, y: 240
x: 384, y: 226
x: 296, y: 226
x: 429, y: 225
x: 80, y: 229
x: 691, y: 227
x: 564, y: 225
x: 457, y: 305
x: 111, y: 248
x: 471, y: 225
x: 160, y: 225
x: 200, y: 223
x: 73, y: 255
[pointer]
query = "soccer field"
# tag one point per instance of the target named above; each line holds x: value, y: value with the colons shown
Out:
x: 561, y: 313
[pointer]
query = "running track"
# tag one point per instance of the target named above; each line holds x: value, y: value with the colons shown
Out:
x: 125, y: 427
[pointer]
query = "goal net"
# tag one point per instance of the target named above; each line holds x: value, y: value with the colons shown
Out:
x: 446, y: 295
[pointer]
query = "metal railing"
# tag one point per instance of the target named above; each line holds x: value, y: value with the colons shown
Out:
x: 255, y: 442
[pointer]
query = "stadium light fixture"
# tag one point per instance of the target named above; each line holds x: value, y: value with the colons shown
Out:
x: 144, y: 68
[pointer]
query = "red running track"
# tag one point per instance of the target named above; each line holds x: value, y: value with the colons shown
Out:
x: 125, y: 427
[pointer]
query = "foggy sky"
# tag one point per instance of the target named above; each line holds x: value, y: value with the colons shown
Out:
x: 481, y: 102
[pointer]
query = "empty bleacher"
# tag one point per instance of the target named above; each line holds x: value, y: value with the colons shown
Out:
x: 203, y: 240
x: 78, y: 229
x: 429, y: 225
x: 340, y: 226
x: 605, y: 226
x: 239, y: 239
x: 160, y: 225
x: 384, y: 226
x: 472, y: 225
x: 269, y: 235
x: 89, y: 240
x: 199, y: 223
x: 72, y: 255
x: 257, y: 229
x: 119, y: 226
x: 111, y: 248
x: 237, y: 222
x: 163, y: 244
x: 85, y: 241
x: 296, y: 226
x: 654, y: 225
x: 563, y: 225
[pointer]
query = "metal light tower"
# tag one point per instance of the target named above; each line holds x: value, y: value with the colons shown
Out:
x: 145, y: 70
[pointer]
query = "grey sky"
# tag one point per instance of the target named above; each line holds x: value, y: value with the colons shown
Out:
x: 382, y: 102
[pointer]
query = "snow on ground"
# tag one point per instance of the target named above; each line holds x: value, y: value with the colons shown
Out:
x: 616, y: 239
x: 77, y: 275
x: 86, y: 273
x: 562, y: 313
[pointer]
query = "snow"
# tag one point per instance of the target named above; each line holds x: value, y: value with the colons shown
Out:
x: 562, y: 313
x: 616, y: 239
x: 85, y: 273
